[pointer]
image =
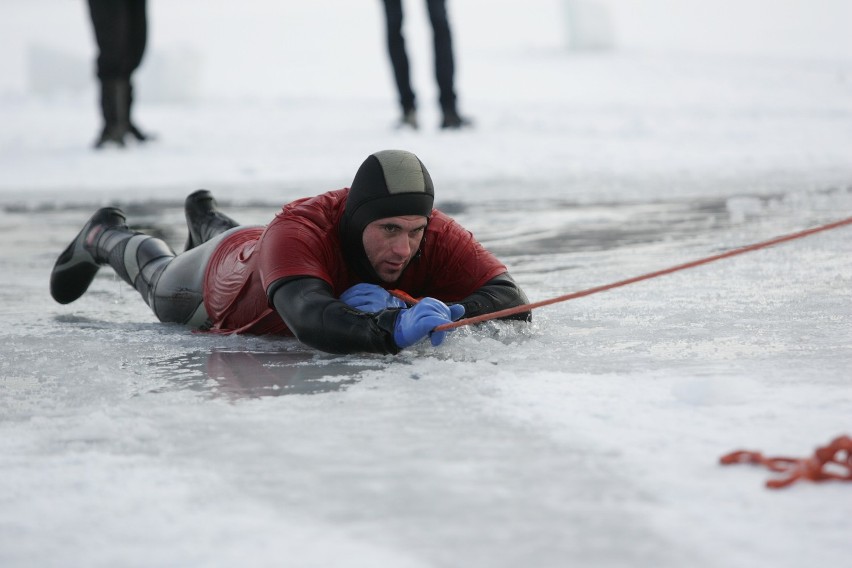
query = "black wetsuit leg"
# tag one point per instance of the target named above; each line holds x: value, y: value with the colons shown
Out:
x: 137, y: 258
x: 178, y: 293
x: 172, y: 285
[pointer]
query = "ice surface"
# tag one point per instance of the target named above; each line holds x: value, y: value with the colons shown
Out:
x: 590, y: 437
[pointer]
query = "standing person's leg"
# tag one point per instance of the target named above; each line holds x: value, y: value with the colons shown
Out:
x: 444, y: 64
x: 137, y: 38
x: 110, y: 21
x: 399, y: 60
x: 443, y: 44
x: 137, y: 33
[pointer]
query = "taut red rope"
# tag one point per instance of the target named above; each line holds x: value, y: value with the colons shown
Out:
x: 837, y: 455
x: 595, y: 290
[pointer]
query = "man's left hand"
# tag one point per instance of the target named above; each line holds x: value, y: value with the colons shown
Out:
x: 418, y: 322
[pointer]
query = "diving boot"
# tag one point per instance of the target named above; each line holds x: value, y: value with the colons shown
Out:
x: 77, y: 265
x: 203, y: 218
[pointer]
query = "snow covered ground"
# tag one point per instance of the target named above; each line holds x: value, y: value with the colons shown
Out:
x: 589, y: 438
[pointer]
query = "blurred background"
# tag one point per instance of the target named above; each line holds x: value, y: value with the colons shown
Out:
x: 267, y: 48
x: 275, y: 100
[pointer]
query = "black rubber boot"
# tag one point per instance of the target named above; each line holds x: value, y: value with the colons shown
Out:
x: 134, y: 131
x: 452, y: 120
x: 115, y: 107
x: 409, y: 120
x: 77, y: 265
x: 203, y: 218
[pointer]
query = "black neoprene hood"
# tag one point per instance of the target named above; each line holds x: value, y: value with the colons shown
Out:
x: 390, y: 183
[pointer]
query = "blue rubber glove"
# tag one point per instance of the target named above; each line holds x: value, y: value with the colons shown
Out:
x: 370, y: 298
x: 417, y: 322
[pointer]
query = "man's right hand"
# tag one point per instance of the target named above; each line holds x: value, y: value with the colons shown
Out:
x: 417, y: 322
x: 370, y: 298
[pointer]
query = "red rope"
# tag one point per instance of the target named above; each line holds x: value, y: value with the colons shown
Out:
x: 837, y: 455
x: 595, y: 290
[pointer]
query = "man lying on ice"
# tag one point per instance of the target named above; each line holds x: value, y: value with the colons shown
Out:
x: 321, y: 270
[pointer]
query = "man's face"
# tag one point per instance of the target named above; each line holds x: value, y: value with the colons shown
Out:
x: 392, y: 242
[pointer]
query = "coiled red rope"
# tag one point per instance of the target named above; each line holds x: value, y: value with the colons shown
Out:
x: 837, y: 455
x: 648, y: 276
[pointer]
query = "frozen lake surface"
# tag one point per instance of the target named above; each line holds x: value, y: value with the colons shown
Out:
x: 590, y: 437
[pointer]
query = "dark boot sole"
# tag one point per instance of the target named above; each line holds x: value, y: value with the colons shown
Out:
x: 76, y: 267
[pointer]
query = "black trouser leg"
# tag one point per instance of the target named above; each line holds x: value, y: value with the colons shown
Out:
x: 137, y: 33
x: 444, y: 62
x: 398, y: 57
x: 121, y: 30
x: 136, y: 43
